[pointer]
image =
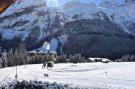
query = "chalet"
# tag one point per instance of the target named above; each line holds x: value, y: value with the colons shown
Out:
x: 43, y: 52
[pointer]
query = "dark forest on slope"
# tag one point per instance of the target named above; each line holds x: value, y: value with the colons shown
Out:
x: 97, y: 38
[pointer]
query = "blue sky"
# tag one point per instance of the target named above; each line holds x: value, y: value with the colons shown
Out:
x: 95, y: 1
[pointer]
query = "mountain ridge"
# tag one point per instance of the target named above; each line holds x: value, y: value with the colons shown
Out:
x: 33, y: 22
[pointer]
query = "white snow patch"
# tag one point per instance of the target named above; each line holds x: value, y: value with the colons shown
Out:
x: 54, y: 45
x: 106, y: 76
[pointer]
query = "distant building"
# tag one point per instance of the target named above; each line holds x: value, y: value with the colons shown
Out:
x: 51, y: 54
x: 99, y: 60
x: 42, y: 52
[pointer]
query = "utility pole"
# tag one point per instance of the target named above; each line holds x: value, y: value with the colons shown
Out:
x: 16, y: 72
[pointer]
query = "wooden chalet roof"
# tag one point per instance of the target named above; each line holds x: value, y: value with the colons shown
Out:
x: 4, y: 4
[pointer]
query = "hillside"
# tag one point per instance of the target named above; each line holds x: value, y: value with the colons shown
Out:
x: 98, y: 38
x: 106, y: 30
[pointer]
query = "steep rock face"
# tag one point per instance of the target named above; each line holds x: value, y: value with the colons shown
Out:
x: 119, y: 13
x: 24, y: 16
x: 33, y: 22
x: 30, y: 21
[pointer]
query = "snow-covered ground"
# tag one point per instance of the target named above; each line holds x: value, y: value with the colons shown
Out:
x: 90, y: 75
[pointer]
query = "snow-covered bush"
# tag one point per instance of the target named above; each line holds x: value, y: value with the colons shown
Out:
x: 36, y: 85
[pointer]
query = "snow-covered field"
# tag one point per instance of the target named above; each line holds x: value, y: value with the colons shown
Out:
x: 90, y: 75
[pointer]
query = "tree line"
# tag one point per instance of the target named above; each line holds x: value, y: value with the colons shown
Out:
x: 21, y: 57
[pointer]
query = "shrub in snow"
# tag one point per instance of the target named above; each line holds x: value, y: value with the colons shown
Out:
x: 36, y: 85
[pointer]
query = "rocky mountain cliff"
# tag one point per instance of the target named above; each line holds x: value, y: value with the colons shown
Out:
x: 106, y: 30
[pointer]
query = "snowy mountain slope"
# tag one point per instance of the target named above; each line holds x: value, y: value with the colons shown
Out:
x: 85, y: 10
x: 119, y: 13
x: 122, y: 14
x: 88, y: 75
x: 33, y: 22
x: 25, y: 15
x: 26, y: 20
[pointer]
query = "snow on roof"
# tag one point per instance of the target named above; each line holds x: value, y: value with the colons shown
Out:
x: 33, y: 51
x: 53, y: 52
x: 103, y: 59
x: 41, y: 51
x: 95, y: 58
